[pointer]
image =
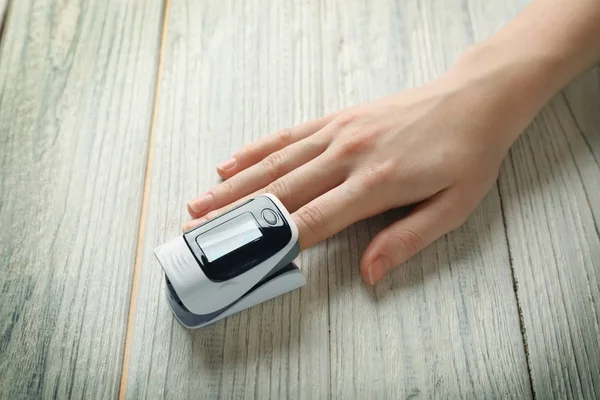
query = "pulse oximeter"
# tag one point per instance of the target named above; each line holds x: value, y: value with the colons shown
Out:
x: 232, y: 262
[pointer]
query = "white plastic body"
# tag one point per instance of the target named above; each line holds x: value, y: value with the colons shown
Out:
x: 192, y: 285
x: 207, y: 301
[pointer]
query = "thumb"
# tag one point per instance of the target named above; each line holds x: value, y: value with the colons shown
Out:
x: 404, y: 238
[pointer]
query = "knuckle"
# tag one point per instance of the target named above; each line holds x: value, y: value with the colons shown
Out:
x: 370, y: 181
x: 279, y: 188
x: 410, y: 240
x: 273, y: 165
x: 345, y: 119
x: 311, y: 217
x: 357, y: 142
x: 225, y: 188
x: 378, y: 175
x: 284, y: 137
x: 386, y: 171
x: 223, y: 191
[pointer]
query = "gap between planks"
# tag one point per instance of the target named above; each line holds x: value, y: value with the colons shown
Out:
x: 144, y: 210
x: 4, y: 17
x: 516, y: 289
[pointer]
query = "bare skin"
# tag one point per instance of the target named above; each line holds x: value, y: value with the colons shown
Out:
x: 438, y: 146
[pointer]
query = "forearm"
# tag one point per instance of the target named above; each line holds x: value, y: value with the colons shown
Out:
x: 561, y: 36
x: 527, y: 62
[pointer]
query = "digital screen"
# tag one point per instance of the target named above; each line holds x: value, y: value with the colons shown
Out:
x: 229, y: 236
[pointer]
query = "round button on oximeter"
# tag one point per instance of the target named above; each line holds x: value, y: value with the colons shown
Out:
x: 269, y: 216
x: 227, y: 264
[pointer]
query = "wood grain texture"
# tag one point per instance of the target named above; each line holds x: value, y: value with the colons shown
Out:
x: 76, y: 88
x: 550, y: 188
x: 446, y: 324
x: 233, y: 71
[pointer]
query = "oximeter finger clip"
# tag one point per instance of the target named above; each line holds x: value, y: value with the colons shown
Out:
x: 232, y: 262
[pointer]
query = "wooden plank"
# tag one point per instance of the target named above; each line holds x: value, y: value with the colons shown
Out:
x: 551, y: 193
x: 76, y: 87
x: 233, y: 71
x: 446, y: 324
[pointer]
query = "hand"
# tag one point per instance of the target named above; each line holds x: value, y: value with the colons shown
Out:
x: 438, y: 147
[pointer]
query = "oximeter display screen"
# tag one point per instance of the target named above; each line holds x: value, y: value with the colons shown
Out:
x: 229, y: 236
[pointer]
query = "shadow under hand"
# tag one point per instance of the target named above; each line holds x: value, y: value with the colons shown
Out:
x: 561, y: 145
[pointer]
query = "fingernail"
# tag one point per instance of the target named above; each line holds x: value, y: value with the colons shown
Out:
x: 202, y: 203
x: 378, y: 269
x: 227, y: 164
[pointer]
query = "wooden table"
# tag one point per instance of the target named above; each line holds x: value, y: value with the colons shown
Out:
x: 114, y: 113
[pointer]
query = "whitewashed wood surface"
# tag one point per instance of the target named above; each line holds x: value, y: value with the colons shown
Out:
x: 232, y: 72
x: 76, y: 89
x: 551, y: 191
x: 505, y: 307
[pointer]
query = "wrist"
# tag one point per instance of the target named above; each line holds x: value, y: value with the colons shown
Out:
x: 526, y: 80
x: 501, y: 89
x: 539, y: 52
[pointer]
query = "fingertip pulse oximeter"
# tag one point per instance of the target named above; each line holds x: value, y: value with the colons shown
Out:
x: 232, y: 262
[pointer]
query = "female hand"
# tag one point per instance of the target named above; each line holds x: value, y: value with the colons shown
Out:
x: 438, y: 147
